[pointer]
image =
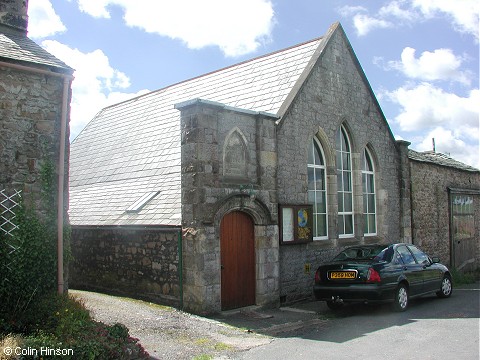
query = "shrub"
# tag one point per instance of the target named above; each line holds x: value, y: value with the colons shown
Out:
x: 29, y: 304
x: 28, y: 271
x: 68, y: 325
x: 28, y: 255
x: 56, y: 314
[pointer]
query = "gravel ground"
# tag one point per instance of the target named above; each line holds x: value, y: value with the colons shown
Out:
x: 167, y: 333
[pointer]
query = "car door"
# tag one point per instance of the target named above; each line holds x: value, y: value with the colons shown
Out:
x: 411, y: 270
x: 432, y: 276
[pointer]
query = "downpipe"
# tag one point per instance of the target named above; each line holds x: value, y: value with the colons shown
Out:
x: 67, y: 80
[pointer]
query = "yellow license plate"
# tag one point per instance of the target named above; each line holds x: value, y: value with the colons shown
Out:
x: 343, y: 275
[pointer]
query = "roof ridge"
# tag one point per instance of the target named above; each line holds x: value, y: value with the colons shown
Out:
x: 435, y: 157
x: 20, y: 48
x: 216, y: 71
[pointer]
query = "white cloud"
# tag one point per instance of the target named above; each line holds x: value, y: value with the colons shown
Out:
x: 236, y: 27
x: 464, y: 13
x: 448, y: 142
x: 425, y: 107
x: 95, y: 8
x: 451, y: 119
x: 441, y: 64
x: 364, y: 24
x: 348, y: 10
x: 96, y: 83
x: 428, y: 112
x: 394, y: 9
x: 42, y: 19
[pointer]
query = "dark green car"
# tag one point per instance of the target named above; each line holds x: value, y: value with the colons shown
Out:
x: 381, y: 273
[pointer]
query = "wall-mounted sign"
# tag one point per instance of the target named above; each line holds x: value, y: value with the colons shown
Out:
x: 296, y: 224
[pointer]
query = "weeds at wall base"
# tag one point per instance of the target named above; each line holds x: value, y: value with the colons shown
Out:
x: 32, y: 314
x: 63, y: 322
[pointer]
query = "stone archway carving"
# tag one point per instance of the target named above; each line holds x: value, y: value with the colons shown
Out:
x: 235, y: 155
x: 254, y: 207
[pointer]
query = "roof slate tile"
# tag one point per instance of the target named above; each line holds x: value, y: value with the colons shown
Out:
x: 133, y: 147
x: 18, y: 47
x: 439, y: 159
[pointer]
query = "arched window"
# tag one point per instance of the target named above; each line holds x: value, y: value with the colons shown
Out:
x: 369, y: 198
x: 344, y: 184
x: 317, y: 193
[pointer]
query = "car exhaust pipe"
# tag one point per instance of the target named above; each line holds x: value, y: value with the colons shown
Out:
x: 337, y: 300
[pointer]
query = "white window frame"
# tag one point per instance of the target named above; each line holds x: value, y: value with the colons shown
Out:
x: 315, y: 191
x: 367, y: 212
x: 344, y: 171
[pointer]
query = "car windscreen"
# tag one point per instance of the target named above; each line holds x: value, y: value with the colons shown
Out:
x: 360, y: 253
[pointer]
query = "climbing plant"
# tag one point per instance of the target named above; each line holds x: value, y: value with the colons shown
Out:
x: 28, y: 262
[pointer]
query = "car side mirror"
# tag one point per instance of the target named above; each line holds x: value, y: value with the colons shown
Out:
x: 435, y: 259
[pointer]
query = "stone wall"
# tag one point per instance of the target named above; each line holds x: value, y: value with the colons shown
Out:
x: 431, y: 209
x: 13, y: 13
x: 30, y: 118
x: 228, y: 163
x: 336, y: 93
x: 140, y: 262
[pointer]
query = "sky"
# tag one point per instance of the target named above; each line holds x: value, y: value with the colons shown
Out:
x: 421, y: 57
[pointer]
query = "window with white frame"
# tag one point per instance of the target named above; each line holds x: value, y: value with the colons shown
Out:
x: 344, y: 184
x: 317, y: 190
x: 369, y: 198
x: 462, y: 217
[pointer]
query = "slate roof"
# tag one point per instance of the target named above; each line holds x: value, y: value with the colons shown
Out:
x: 439, y: 159
x: 18, y: 47
x: 132, y: 149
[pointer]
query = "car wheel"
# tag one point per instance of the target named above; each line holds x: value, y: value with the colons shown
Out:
x: 334, y: 305
x: 446, y: 287
x: 400, y: 302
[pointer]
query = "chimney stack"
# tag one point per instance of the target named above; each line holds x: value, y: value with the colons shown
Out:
x: 14, y: 15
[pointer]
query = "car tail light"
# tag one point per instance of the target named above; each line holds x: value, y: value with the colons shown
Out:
x: 317, y: 277
x: 373, y: 276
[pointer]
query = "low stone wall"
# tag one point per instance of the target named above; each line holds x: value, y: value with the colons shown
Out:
x: 140, y: 262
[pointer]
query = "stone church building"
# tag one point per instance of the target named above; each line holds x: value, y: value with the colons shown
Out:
x: 228, y: 189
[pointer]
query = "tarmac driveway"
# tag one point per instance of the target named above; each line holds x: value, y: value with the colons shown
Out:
x: 431, y: 328
x: 167, y: 333
x: 303, y: 330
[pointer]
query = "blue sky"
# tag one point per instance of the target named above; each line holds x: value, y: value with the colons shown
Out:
x: 420, y: 56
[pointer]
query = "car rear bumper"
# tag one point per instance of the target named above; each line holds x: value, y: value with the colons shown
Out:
x: 355, y: 292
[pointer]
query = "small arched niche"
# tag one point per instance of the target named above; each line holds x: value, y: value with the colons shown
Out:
x: 235, y: 156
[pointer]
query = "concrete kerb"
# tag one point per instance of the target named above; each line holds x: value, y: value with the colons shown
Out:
x: 274, y: 322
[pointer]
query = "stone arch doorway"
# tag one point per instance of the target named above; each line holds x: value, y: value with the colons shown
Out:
x: 237, y: 259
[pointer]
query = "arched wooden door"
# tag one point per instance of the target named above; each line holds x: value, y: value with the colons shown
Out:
x: 237, y: 249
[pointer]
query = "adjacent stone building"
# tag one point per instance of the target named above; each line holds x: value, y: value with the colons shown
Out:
x: 35, y: 92
x: 228, y: 189
x: 446, y: 209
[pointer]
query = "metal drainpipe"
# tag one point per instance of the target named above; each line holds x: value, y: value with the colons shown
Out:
x: 180, y: 265
x: 67, y: 79
x: 61, y: 184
